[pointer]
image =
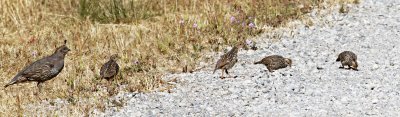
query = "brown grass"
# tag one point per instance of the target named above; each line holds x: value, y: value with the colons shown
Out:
x: 151, y: 36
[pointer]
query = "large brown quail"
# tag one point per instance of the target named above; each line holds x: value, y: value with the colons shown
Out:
x: 348, y: 58
x: 275, y: 62
x: 43, y: 69
x: 110, y: 69
x: 228, y: 60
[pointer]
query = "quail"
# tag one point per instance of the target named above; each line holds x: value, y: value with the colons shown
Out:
x: 43, y: 69
x: 348, y: 58
x: 228, y: 60
x: 110, y: 69
x: 275, y: 62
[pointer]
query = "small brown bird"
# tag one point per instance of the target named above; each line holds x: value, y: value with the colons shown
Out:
x: 228, y: 60
x: 275, y: 62
x: 110, y: 69
x: 43, y: 69
x: 348, y: 58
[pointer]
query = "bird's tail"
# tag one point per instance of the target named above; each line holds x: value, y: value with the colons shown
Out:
x: 338, y: 59
x: 5, y: 86
x: 259, y: 62
x: 8, y: 84
x: 13, y: 81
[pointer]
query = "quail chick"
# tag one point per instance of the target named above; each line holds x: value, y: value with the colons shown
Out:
x: 275, y: 62
x: 110, y: 69
x: 348, y: 58
x: 43, y: 69
x: 228, y: 60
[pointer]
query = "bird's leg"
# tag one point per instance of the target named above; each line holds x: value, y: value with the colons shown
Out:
x: 39, y: 85
x: 108, y: 87
x: 355, y: 69
x: 349, y: 67
x: 114, y: 86
x: 270, y: 69
x: 222, y: 74
x: 109, y: 82
x: 39, y: 88
x: 226, y: 71
x: 342, y: 66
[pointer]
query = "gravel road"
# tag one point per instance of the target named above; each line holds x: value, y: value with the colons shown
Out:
x: 371, y: 30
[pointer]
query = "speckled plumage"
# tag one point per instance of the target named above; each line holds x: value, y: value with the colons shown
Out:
x: 275, y: 62
x: 228, y: 60
x: 43, y: 69
x: 348, y: 58
x: 110, y: 69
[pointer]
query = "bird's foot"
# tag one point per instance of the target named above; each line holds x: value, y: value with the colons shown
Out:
x: 228, y: 77
x: 341, y: 67
x: 36, y: 93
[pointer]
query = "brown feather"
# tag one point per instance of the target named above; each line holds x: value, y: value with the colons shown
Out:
x: 110, y: 69
x: 275, y: 62
x: 43, y: 69
x: 348, y: 58
x: 229, y: 59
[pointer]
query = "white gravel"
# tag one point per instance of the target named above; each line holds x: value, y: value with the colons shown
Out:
x: 371, y: 30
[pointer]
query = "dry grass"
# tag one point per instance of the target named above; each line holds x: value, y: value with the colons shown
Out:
x: 151, y: 36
